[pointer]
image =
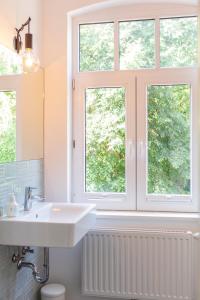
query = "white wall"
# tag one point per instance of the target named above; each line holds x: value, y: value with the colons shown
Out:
x: 30, y: 116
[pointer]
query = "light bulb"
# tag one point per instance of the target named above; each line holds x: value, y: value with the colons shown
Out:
x: 30, y: 62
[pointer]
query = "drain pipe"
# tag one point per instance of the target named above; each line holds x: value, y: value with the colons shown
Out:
x: 37, y: 276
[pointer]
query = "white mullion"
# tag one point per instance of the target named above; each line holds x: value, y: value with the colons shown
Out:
x: 157, y: 42
x: 141, y: 136
x: 136, y: 141
x: 131, y: 142
x: 116, y: 46
x: 78, y: 133
x: 195, y: 141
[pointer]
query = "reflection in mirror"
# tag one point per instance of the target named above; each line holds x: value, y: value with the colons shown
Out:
x: 21, y: 110
x: 10, y: 62
x: 7, y: 126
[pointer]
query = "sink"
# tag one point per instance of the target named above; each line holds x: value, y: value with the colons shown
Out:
x: 48, y: 225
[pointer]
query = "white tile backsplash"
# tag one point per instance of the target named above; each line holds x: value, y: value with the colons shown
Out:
x: 19, y: 285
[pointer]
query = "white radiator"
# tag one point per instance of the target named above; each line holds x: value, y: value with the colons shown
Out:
x: 138, y: 264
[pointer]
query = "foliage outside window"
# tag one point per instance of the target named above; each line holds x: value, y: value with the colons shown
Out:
x: 137, y: 44
x: 9, y: 62
x: 178, y: 42
x: 105, y: 140
x: 7, y: 126
x: 97, y: 47
x: 169, y: 139
x: 9, y: 65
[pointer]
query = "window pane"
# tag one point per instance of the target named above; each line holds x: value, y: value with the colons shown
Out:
x: 96, y: 47
x: 105, y: 140
x: 178, y: 42
x: 7, y: 126
x: 9, y: 62
x: 169, y: 139
x: 137, y: 44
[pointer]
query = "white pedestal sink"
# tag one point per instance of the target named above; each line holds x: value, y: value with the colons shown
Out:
x: 48, y: 225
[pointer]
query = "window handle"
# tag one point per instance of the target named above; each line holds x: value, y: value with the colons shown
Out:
x: 142, y: 149
x: 131, y: 150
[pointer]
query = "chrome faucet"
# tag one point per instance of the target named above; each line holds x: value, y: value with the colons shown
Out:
x: 28, y: 198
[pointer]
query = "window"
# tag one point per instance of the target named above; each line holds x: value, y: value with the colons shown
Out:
x: 135, y: 109
x: 168, y: 139
x: 105, y: 140
x: 137, y: 44
x: 168, y: 136
x: 98, y: 39
x: 178, y: 42
x: 10, y: 67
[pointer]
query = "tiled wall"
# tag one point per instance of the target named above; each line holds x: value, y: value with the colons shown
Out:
x: 19, y: 285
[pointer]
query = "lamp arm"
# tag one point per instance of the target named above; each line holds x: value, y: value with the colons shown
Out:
x: 17, y: 39
x: 23, y: 25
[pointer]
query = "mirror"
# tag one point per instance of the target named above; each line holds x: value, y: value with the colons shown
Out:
x: 21, y: 117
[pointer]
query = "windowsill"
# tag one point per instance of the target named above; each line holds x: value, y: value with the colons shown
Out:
x: 146, y: 216
x: 128, y: 220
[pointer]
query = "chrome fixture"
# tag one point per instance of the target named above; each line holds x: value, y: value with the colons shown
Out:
x: 28, y: 198
x: 21, y: 263
x: 17, y: 254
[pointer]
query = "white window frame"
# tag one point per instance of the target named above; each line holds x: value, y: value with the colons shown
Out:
x: 187, y: 203
x: 135, y: 198
x: 105, y: 200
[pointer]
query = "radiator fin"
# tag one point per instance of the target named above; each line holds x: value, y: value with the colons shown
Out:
x: 146, y: 265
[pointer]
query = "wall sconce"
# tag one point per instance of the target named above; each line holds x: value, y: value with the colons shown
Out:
x: 30, y: 62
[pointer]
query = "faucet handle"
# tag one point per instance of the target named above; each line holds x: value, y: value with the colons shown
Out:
x: 29, y: 189
x: 38, y: 198
x: 32, y: 188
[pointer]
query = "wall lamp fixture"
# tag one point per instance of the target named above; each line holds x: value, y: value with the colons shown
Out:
x: 30, y: 62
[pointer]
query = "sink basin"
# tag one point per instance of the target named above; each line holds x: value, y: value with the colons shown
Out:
x: 48, y: 225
